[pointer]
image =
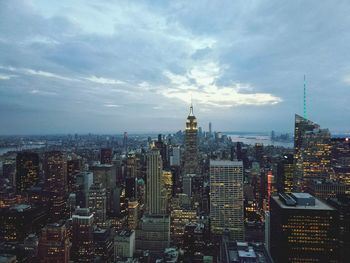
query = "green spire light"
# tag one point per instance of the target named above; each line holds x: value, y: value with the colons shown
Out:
x: 305, y: 115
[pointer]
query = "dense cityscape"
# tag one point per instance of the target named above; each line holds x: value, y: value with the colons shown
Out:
x: 154, y: 131
x: 192, y: 196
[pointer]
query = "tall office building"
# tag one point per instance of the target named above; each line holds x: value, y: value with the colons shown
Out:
x: 301, y: 126
x: 210, y: 131
x: 98, y: 203
x: 285, y: 174
x: 316, y: 154
x: 54, y: 244
x: 175, y: 156
x: 82, y: 236
x: 73, y: 168
x: 226, y: 198
x: 125, y: 142
x: 154, y: 189
x: 133, y: 214
x: 163, y: 149
x: 302, y: 229
x: 106, y: 156
x: 341, y: 161
x: 342, y: 204
x: 55, y: 169
x: 187, y: 184
x: 191, y: 148
x: 106, y: 174
x: 27, y: 166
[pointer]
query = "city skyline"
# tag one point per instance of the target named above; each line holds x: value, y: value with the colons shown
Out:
x: 62, y: 73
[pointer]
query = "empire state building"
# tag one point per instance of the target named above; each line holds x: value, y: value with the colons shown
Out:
x: 191, y: 148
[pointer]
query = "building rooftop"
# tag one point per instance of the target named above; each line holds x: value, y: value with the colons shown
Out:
x: 20, y: 207
x: 303, y: 201
x: 225, y: 163
x: 125, y: 233
x: 243, y: 252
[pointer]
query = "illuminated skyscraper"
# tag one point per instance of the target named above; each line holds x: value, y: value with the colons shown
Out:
x: 312, y: 151
x: 97, y: 203
x: 226, y: 198
x: 55, y: 169
x: 154, y: 185
x: 285, y: 173
x: 316, y: 154
x: 133, y: 214
x: 191, y: 148
x: 82, y: 236
x: 302, y: 229
x: 27, y: 164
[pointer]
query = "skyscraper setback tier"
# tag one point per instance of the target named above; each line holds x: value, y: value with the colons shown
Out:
x: 191, y: 147
x: 226, y: 198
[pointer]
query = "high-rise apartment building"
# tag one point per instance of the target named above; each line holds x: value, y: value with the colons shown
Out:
x: 191, y: 141
x: 226, y: 198
x: 302, y: 229
x: 27, y: 174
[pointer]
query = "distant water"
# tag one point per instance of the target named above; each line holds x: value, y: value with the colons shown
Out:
x: 252, y: 139
x: 18, y: 149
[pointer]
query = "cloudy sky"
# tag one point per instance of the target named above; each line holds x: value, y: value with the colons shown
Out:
x: 113, y: 66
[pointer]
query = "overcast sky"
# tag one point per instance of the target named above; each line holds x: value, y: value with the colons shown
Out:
x: 113, y: 66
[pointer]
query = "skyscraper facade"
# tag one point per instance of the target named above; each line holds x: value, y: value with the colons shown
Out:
x: 97, y: 203
x: 27, y: 166
x: 312, y: 152
x: 302, y: 229
x: 191, y: 147
x: 226, y: 198
x: 154, y: 183
x: 54, y: 245
x: 55, y: 169
x: 82, y: 236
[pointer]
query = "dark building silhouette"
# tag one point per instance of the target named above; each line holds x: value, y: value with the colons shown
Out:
x: 342, y: 204
x: 27, y: 166
x: 302, y: 229
x: 106, y: 156
x: 54, y: 244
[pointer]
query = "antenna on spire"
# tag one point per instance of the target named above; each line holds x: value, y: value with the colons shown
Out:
x: 305, y: 115
x: 191, y: 107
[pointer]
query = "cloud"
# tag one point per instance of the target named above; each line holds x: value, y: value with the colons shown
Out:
x: 42, y: 92
x: 112, y: 105
x: 6, y: 76
x: 101, y: 80
x: 235, y: 58
x: 205, y: 91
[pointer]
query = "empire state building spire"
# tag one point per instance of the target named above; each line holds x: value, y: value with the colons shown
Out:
x: 191, y: 147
